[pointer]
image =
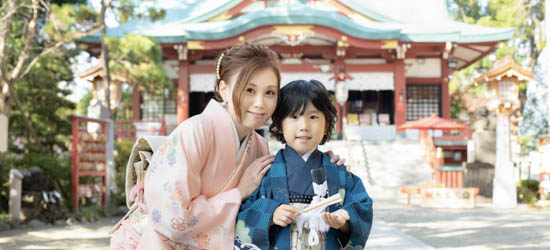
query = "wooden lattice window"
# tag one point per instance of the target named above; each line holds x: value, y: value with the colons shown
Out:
x: 159, y: 103
x: 423, y: 100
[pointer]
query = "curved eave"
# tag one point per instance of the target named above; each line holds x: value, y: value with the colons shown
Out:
x: 281, y: 16
x: 430, y: 37
x: 212, y: 13
x: 492, y: 37
x: 179, y: 32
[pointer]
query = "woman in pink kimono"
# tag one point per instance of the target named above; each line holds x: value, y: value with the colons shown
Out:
x: 211, y: 162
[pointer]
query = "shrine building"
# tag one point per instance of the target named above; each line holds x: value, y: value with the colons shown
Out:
x: 394, y: 56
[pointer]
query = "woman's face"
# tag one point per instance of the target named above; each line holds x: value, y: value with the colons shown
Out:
x: 258, y: 100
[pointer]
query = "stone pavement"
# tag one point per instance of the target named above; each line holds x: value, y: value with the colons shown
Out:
x: 395, y: 226
x: 385, y: 237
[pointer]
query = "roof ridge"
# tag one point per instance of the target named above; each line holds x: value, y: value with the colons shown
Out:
x: 352, y: 4
x: 215, y: 12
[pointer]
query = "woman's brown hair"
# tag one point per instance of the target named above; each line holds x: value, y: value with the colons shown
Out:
x: 244, y: 60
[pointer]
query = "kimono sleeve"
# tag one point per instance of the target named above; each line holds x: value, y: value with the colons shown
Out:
x: 254, y: 220
x: 173, y: 185
x: 358, y: 204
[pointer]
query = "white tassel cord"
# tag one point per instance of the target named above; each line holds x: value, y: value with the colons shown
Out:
x: 312, y: 217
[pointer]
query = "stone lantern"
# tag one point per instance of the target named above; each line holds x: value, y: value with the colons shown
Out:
x: 503, y: 81
x: 95, y: 76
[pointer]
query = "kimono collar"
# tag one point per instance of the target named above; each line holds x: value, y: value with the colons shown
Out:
x: 299, y: 171
x: 224, y: 124
x: 291, y: 155
x: 308, y: 154
x: 238, y: 144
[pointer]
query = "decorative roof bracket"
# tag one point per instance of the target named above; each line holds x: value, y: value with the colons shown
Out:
x: 341, y: 46
x: 182, y: 51
x: 402, y: 50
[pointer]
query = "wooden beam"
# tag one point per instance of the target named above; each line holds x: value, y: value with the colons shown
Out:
x: 183, y: 91
x: 480, y: 56
x: 445, y: 98
x: 370, y: 68
x: 202, y: 68
x: 471, y: 48
x: 459, y: 59
x: 400, y: 93
x: 422, y: 80
x: 306, y: 49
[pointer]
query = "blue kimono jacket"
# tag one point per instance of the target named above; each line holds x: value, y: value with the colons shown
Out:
x: 254, y: 221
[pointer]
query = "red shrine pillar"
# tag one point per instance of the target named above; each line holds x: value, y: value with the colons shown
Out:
x: 400, y: 93
x: 445, y: 99
x: 183, y: 91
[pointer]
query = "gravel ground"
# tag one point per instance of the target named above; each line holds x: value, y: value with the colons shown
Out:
x: 78, y: 236
x: 483, y: 227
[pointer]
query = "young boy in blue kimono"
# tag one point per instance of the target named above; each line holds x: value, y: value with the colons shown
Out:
x: 272, y: 218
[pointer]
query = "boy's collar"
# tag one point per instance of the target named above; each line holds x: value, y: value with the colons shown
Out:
x: 290, y: 153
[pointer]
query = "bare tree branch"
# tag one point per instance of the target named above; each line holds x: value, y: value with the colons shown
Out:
x: 36, y: 58
x: 4, y: 29
x: 31, y: 29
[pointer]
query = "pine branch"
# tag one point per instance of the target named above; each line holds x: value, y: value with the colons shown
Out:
x: 26, y: 119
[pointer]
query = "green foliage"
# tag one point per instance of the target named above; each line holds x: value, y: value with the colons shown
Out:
x: 125, y: 111
x: 48, y: 108
x: 139, y: 58
x: 4, y: 218
x: 527, y: 191
x: 90, y: 212
x: 66, y: 20
x: 526, y: 44
x: 131, y: 8
x: 56, y: 167
x: 122, y: 154
x: 84, y: 102
x: 44, y: 101
x: 526, y: 144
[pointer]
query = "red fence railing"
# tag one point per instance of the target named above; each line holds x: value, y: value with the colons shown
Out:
x: 128, y: 129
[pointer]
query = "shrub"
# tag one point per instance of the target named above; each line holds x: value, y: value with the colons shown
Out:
x: 122, y: 154
x: 527, y: 191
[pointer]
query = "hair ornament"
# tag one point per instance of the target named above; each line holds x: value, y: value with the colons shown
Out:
x: 218, y: 66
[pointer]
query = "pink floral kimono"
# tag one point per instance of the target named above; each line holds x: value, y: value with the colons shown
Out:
x: 190, y: 195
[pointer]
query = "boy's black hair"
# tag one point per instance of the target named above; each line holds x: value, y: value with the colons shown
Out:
x: 293, y: 99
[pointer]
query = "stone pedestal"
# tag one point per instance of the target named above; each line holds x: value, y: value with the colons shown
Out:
x: 3, y: 133
x: 504, y: 187
x: 16, y: 178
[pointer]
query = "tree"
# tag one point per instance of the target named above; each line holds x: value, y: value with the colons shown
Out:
x: 525, y: 46
x: 32, y: 29
x: 48, y: 111
x: 535, y: 113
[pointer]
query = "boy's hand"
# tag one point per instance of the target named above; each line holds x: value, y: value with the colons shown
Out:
x: 285, y: 214
x: 336, y: 219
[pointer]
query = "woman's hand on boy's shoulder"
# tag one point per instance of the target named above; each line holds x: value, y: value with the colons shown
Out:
x: 335, y: 158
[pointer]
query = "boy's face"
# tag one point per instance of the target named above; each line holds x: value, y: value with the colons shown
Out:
x: 304, y: 132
